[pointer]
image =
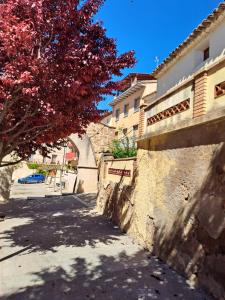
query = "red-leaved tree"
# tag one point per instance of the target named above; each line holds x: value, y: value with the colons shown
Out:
x: 56, y: 64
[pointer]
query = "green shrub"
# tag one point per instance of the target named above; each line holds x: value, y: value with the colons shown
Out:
x: 32, y: 166
x: 43, y: 172
x: 124, y: 148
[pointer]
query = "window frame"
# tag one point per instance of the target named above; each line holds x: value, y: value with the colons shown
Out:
x: 135, y: 130
x: 117, y: 116
x: 206, y: 53
x: 137, y: 107
x: 53, y: 159
x: 125, y: 131
x: 126, y: 110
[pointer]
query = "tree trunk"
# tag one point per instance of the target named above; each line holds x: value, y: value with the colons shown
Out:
x: 5, y: 180
x: 1, y: 158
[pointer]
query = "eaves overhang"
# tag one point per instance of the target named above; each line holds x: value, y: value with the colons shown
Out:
x: 133, y: 89
x: 188, y: 80
x: 196, y: 36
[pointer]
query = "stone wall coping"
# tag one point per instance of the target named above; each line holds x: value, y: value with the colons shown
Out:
x: 121, y: 159
x: 215, y: 116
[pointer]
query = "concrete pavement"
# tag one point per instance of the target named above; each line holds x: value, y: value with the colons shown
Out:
x: 59, y: 248
x: 24, y: 191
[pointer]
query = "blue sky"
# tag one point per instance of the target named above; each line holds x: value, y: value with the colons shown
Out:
x: 151, y: 28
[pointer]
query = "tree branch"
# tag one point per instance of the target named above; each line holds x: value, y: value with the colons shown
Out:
x: 8, y: 104
x: 23, y: 119
x: 26, y: 138
x: 11, y: 163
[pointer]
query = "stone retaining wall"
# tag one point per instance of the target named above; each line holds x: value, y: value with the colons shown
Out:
x: 175, y: 205
x: 114, y: 197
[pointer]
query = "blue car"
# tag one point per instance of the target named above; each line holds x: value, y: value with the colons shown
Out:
x: 35, y: 178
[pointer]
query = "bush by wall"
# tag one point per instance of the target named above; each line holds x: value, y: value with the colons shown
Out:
x: 32, y: 166
x: 124, y: 148
x: 43, y: 172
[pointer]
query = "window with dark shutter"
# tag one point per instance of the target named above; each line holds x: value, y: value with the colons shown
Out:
x: 136, y: 104
x: 117, y: 114
x: 126, y: 108
x: 206, y: 54
x: 135, y: 130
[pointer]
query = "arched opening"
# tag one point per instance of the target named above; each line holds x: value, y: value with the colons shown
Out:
x: 72, y: 155
x: 86, y: 180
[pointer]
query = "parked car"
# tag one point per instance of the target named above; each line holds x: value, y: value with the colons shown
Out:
x: 35, y: 178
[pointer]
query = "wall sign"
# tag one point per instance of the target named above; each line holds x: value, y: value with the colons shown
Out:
x: 119, y: 172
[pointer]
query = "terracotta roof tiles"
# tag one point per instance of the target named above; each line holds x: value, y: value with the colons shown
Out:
x: 197, y: 32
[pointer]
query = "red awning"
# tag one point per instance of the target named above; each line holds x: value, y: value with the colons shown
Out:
x: 70, y: 156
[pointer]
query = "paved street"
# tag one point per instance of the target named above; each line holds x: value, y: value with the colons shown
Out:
x: 31, y: 190
x: 28, y: 190
x: 60, y: 248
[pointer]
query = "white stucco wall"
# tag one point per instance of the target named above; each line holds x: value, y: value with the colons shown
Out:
x: 21, y: 171
x: 86, y: 154
x: 181, y: 95
x: 178, y: 73
x: 87, y: 176
x: 217, y: 41
x: 150, y: 88
x: 193, y: 59
x: 38, y: 158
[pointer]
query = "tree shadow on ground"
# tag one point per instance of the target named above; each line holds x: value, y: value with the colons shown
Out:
x: 117, y: 204
x: 185, y: 223
x: 134, y: 277
x: 105, y: 273
x: 51, y: 222
x: 88, y: 198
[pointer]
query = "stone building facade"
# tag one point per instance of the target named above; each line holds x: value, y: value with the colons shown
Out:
x: 101, y: 136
